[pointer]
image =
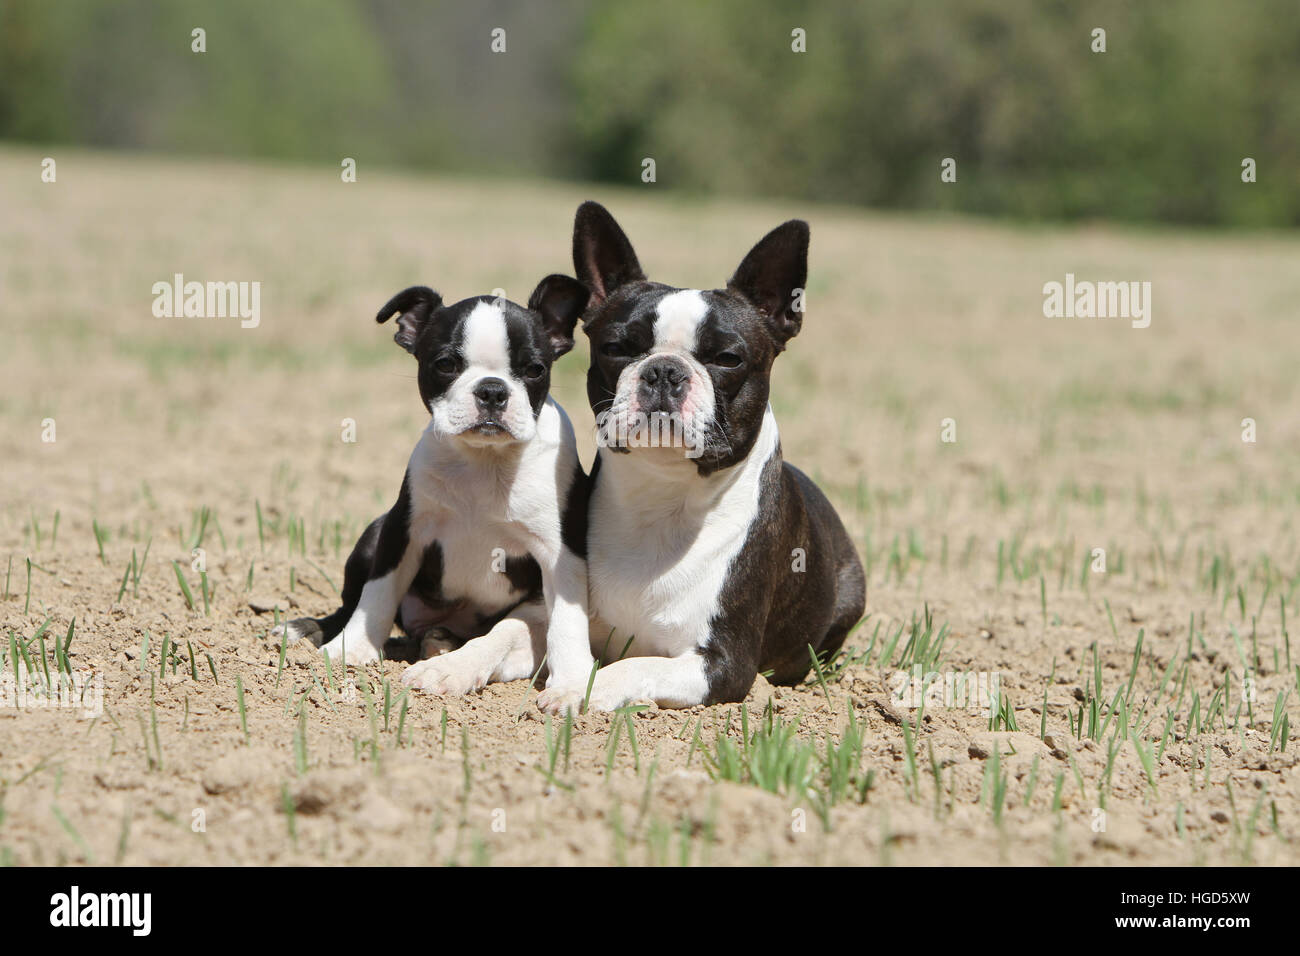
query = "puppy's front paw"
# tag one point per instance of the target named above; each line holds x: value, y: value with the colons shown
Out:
x: 304, y: 628
x: 562, y: 697
x: 358, y: 651
x: 448, y: 674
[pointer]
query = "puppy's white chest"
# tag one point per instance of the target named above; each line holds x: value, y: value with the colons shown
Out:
x: 477, y: 534
x: 474, y: 559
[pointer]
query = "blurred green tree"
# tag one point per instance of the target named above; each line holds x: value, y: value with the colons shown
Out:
x: 1040, y: 126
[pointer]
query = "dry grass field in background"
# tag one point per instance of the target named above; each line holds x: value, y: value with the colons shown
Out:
x: 1166, y: 680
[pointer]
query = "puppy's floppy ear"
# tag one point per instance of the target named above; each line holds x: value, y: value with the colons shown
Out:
x: 772, y: 278
x: 414, y: 306
x: 559, y: 300
x: 602, y: 256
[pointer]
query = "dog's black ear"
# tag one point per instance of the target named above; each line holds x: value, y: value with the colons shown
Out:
x: 559, y: 300
x: 602, y: 255
x: 413, y: 307
x: 772, y: 278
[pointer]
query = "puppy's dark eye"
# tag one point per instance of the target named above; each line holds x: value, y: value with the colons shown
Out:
x: 536, y: 370
x: 727, y: 360
x: 446, y: 365
x: 614, y: 350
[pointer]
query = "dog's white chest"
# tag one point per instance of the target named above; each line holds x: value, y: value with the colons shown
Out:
x: 661, y: 592
x: 657, y: 565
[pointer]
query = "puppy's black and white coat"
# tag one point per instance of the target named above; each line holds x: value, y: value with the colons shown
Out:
x: 713, y: 556
x: 474, y: 551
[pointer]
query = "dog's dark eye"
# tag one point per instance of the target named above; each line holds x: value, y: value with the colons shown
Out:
x: 446, y: 365
x: 536, y: 370
x: 614, y: 350
x: 727, y: 360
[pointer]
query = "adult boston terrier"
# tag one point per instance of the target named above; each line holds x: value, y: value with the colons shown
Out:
x: 710, y: 558
x: 474, y: 552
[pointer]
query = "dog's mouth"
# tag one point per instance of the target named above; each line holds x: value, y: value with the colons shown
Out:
x: 489, y: 429
x: 650, y: 431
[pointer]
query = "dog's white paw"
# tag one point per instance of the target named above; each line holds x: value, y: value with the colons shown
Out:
x: 358, y: 651
x: 448, y: 674
x: 562, y: 697
x: 617, y: 689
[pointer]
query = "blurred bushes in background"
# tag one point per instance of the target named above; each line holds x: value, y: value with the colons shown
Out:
x: 1041, y: 127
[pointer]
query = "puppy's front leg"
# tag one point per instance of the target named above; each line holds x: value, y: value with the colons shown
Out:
x: 510, y: 651
x: 397, y: 560
x: 568, y: 649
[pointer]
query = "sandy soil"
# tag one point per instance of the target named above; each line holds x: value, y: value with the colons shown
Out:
x: 1072, y: 434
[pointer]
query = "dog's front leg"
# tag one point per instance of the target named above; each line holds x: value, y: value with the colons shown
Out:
x: 668, y: 681
x: 568, y: 649
x: 398, y: 555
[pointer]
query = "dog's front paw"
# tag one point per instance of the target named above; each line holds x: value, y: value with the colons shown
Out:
x: 614, y: 688
x: 448, y: 674
x: 608, y: 700
x: 562, y: 697
x: 358, y: 652
x: 304, y: 628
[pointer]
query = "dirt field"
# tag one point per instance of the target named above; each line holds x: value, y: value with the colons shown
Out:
x: 1072, y: 434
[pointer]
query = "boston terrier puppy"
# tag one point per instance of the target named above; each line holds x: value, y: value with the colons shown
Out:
x: 709, y: 558
x: 475, y: 551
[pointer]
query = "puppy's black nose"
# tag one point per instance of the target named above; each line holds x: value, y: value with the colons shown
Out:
x: 492, y: 393
x: 667, y: 376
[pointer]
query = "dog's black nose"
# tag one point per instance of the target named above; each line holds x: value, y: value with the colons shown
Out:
x: 665, y: 375
x: 492, y: 393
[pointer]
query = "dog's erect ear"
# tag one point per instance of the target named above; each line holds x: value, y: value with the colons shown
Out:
x: 772, y: 278
x: 602, y: 255
x: 414, y: 306
x: 559, y: 300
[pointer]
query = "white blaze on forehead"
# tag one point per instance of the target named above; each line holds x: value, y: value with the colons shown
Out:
x: 486, y: 344
x: 678, y: 318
